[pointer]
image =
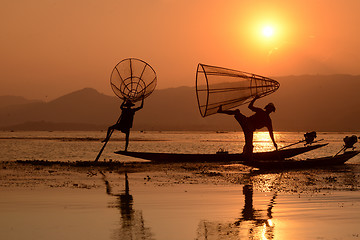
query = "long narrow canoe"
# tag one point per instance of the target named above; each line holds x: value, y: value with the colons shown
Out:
x: 301, y: 164
x: 219, y: 157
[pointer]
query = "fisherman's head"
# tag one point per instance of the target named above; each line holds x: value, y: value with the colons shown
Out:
x: 270, y: 107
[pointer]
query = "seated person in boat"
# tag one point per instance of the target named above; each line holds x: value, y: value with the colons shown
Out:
x: 125, y: 121
x: 249, y: 125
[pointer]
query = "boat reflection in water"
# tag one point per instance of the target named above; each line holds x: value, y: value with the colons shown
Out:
x: 132, y: 222
x: 253, y: 224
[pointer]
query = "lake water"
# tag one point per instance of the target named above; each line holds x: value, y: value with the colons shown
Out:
x: 207, y: 201
x: 84, y: 146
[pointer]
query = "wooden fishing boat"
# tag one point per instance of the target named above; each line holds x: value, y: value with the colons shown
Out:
x: 300, y: 164
x: 220, y: 156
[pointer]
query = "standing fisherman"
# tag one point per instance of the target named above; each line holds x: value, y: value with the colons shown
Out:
x: 125, y: 121
x: 250, y: 124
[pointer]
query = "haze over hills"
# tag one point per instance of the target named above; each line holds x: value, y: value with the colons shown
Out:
x: 304, y: 103
x: 86, y: 106
x: 14, y: 100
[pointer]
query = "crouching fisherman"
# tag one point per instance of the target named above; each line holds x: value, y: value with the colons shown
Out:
x: 250, y: 124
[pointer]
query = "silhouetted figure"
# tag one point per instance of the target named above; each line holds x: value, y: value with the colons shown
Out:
x: 250, y: 124
x: 125, y: 121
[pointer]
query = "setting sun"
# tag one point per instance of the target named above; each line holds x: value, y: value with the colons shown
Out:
x: 268, y: 31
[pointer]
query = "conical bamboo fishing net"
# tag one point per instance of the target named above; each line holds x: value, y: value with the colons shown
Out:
x: 216, y: 86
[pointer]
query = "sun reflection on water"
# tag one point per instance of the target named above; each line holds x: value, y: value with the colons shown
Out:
x: 262, y: 142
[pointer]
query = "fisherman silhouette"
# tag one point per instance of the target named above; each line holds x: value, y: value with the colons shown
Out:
x: 255, y: 122
x: 125, y: 121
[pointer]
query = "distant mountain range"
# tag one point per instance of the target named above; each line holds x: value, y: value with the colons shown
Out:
x: 304, y: 103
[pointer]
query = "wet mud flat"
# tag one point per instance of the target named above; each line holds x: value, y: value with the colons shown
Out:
x: 141, y: 200
x: 33, y: 173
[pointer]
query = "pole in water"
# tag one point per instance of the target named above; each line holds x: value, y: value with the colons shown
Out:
x: 291, y: 144
x: 102, y: 149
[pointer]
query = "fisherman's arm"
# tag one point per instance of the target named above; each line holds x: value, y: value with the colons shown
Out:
x: 271, y: 133
x: 123, y: 104
x: 141, y: 106
x: 251, y: 104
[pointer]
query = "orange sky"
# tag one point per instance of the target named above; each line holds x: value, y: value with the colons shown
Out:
x: 52, y: 47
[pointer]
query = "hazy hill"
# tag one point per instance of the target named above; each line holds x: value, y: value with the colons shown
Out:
x: 14, y: 100
x: 304, y: 103
x: 84, y: 106
x: 322, y: 103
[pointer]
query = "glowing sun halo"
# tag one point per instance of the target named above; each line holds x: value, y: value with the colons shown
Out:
x: 268, y: 31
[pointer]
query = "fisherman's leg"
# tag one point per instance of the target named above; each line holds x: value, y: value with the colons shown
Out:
x: 127, y: 135
x: 228, y: 112
x: 242, y: 120
x: 110, y: 129
x: 248, y: 148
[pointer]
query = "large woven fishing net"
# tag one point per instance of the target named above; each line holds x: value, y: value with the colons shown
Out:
x: 216, y: 86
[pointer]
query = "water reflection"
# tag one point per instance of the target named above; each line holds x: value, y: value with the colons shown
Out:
x: 132, y: 224
x: 252, y: 224
x: 261, y: 227
x: 174, y: 213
